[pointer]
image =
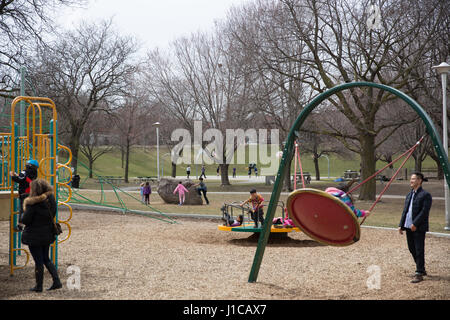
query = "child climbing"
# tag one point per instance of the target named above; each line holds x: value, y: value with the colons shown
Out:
x: 341, y: 192
x: 181, y: 192
x: 257, y: 213
x: 147, y: 192
x: 24, y: 179
x: 202, y: 189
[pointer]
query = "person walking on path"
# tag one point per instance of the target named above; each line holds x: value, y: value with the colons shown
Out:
x: 234, y: 172
x: 147, y: 192
x: 181, y: 192
x: 188, y: 171
x: 414, y: 221
x: 203, y: 172
x: 202, y: 189
x: 40, y: 210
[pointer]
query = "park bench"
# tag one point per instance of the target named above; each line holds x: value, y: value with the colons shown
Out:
x: 306, y: 177
x: 146, y: 179
x: 350, y: 175
x: 110, y: 179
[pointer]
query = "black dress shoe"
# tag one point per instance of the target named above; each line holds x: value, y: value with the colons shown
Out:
x: 423, y: 274
x: 56, y: 285
x: 418, y: 278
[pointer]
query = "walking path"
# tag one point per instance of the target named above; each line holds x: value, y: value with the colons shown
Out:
x: 136, y: 190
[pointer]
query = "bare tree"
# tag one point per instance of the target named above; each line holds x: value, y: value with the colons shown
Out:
x: 204, y: 82
x: 340, y: 47
x: 22, y: 24
x: 85, y: 71
x: 130, y: 119
x: 96, y: 139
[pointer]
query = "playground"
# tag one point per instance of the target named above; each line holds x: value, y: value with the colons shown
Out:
x: 133, y: 257
x: 128, y: 254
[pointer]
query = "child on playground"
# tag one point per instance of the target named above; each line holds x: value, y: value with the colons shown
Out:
x: 257, y: 212
x: 24, y: 179
x: 232, y: 222
x: 181, y: 192
x: 202, y: 189
x: 147, y: 192
x: 341, y: 192
x: 142, y: 192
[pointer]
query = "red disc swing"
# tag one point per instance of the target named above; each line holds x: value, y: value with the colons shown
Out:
x: 326, y: 218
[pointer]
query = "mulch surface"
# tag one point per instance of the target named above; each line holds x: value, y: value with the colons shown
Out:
x: 135, y: 257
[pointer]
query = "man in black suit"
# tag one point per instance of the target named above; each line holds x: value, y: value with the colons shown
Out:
x: 415, y: 221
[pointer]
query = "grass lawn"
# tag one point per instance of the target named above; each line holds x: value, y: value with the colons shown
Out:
x: 143, y: 163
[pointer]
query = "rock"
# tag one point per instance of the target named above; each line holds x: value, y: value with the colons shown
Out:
x: 168, y: 185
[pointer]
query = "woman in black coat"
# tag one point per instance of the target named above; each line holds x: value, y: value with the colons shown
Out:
x: 40, y: 210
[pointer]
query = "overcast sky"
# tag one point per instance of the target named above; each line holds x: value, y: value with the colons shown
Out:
x: 153, y: 22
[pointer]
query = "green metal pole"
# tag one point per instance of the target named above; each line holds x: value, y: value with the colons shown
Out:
x: 282, y: 171
x: 14, y: 144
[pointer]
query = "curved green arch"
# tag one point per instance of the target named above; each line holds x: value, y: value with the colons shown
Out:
x: 289, y: 147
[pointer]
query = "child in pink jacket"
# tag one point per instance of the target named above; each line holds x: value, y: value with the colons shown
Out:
x: 181, y: 192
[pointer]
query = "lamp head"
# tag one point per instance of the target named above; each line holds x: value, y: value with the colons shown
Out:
x: 442, y: 68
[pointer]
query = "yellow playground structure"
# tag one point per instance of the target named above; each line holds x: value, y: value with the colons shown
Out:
x: 38, y: 141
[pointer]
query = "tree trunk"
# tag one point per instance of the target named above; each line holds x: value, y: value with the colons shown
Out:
x: 123, y: 156
x: 174, y: 170
x: 225, y: 181
x: 368, y: 167
x: 440, y: 170
x: 316, y: 167
x: 287, y: 186
x: 389, y: 160
x: 418, y: 163
x: 74, y: 145
x: 91, y: 165
x: 127, y: 159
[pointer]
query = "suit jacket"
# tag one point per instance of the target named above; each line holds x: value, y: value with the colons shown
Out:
x: 420, y: 209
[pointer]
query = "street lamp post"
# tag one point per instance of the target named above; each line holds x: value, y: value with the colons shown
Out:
x: 328, y: 159
x: 443, y: 69
x: 22, y: 103
x: 157, y: 124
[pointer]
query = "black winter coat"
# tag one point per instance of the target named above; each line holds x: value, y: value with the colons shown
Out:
x: 36, y: 218
x: 21, y: 179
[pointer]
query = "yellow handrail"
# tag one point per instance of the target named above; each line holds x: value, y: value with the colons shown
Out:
x: 26, y: 262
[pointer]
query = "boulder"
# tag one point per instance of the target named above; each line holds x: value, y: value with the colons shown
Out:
x: 168, y: 185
